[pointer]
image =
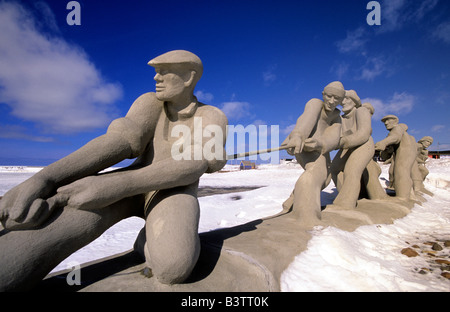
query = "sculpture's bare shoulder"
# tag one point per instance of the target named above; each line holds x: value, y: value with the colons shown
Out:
x: 138, y: 126
x: 146, y: 105
x: 212, y: 115
x: 315, y: 102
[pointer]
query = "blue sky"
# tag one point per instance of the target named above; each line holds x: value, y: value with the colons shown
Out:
x: 61, y: 85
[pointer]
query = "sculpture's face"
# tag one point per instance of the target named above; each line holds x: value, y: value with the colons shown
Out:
x: 170, y: 82
x: 390, y: 123
x: 347, y: 105
x: 331, y: 99
x: 426, y: 144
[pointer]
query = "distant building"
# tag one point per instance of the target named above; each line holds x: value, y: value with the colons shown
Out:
x: 247, y: 165
x: 288, y: 161
x: 438, y: 154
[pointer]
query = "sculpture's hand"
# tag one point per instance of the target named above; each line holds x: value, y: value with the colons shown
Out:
x: 89, y: 193
x: 313, y: 145
x: 21, y: 207
x: 295, y: 145
x: 345, y: 144
x: 380, y: 146
x: 39, y: 211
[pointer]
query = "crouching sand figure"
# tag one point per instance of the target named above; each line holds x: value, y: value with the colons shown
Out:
x: 317, y: 132
x: 69, y: 204
x: 355, y: 153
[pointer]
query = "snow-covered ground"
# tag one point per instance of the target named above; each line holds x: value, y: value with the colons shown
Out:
x: 367, y: 259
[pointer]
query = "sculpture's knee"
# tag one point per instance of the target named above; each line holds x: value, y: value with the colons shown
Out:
x: 311, y: 178
x: 176, y: 266
x: 173, y: 243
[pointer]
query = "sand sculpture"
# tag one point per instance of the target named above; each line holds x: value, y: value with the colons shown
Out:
x: 316, y: 133
x: 422, y: 154
x: 404, y: 152
x: 320, y: 130
x: 418, y: 170
x: 355, y: 153
x: 69, y: 203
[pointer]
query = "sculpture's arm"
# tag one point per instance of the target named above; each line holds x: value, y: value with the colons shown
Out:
x: 124, y: 138
x: 330, y: 138
x: 394, y: 137
x: 304, y: 126
x: 103, y: 190
x: 422, y: 156
x: 363, y: 132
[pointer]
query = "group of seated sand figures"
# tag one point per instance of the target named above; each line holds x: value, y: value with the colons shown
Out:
x: 71, y: 202
x: 321, y: 129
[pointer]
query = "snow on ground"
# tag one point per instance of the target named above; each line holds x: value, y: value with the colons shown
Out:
x: 367, y: 259
x: 10, y: 176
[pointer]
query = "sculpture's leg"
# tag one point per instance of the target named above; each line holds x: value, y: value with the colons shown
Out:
x: 354, y: 167
x: 391, y: 174
x: 307, y: 208
x: 416, y: 176
x: 404, y: 161
x: 423, y: 171
x: 173, y: 244
x: 28, y: 256
x: 337, y: 168
x: 372, y: 183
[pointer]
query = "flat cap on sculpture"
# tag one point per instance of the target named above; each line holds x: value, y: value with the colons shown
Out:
x: 177, y: 57
x: 389, y: 117
x: 354, y: 97
x: 426, y: 138
x: 335, y: 86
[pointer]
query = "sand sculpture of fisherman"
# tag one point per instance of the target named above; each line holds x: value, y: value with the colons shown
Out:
x: 68, y: 204
x: 316, y: 133
x: 403, y: 158
x: 354, y: 160
x: 419, y: 170
x: 422, y: 148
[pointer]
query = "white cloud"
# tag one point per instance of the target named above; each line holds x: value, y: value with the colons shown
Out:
x: 395, y: 14
x: 49, y: 82
x: 259, y: 122
x: 287, y: 130
x: 204, y: 96
x: 340, y: 70
x: 373, y: 68
x: 437, y: 128
x: 425, y: 7
x: 355, y: 41
x: 47, y: 15
x: 20, y: 133
x: 391, y: 14
x: 399, y: 104
x: 442, y: 32
x: 269, y: 76
x: 236, y: 110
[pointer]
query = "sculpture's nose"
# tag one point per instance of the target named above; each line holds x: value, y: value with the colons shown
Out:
x: 158, y: 77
